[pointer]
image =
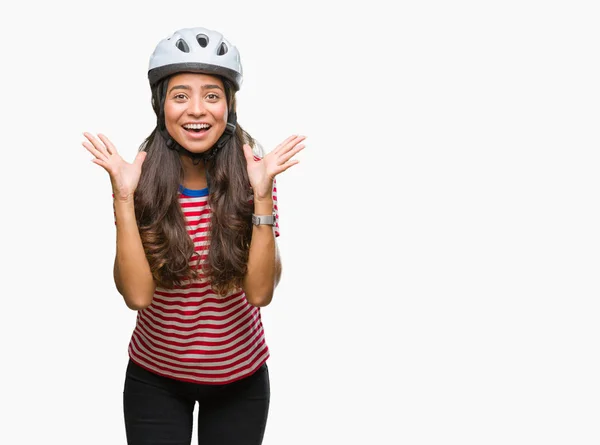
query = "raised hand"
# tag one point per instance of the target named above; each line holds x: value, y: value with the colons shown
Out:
x: 262, y: 172
x: 124, y: 176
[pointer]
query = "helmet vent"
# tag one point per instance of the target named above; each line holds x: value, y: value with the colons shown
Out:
x: 183, y: 46
x: 222, y: 49
x: 202, y: 40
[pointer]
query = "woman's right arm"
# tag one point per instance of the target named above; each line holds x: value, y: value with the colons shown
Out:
x: 132, y: 274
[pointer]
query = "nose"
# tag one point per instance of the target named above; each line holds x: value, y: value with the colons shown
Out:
x: 195, y: 107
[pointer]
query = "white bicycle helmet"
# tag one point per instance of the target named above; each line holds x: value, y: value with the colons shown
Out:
x: 195, y: 50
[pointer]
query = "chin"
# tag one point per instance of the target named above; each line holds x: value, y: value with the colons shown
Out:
x: 196, y: 148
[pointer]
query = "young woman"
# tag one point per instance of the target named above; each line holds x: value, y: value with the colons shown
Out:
x: 196, y: 220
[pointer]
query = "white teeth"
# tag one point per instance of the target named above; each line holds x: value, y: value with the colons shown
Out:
x: 196, y: 126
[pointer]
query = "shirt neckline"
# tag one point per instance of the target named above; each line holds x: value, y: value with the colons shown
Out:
x: 193, y: 192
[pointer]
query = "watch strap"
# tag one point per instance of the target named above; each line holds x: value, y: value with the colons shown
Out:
x: 263, y: 219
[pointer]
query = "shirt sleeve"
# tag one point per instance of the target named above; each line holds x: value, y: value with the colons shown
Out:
x: 275, y: 208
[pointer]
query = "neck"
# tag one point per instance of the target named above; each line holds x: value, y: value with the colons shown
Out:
x: 194, y: 176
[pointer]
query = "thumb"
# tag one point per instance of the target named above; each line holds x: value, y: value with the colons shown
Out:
x: 139, y: 159
x: 248, y: 153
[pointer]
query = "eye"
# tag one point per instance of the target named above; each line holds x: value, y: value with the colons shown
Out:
x: 213, y: 96
x: 180, y: 96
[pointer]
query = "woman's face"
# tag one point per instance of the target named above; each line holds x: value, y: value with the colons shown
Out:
x: 195, y: 110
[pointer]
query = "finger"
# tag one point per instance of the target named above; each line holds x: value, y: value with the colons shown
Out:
x: 139, y: 159
x: 283, y: 158
x: 89, y: 147
x: 248, y: 153
x: 290, y: 144
x: 97, y: 144
x: 287, y: 165
x: 284, y: 143
x: 109, y: 145
x: 100, y: 162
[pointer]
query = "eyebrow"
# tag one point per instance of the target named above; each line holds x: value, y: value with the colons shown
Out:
x: 187, y: 87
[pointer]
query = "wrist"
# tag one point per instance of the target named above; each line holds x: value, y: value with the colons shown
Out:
x: 263, y: 192
x: 118, y: 200
x: 263, y: 206
x: 267, y: 197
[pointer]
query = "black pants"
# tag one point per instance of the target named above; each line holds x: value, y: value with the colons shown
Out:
x: 158, y: 410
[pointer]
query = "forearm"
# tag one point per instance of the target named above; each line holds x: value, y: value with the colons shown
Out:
x: 264, y: 267
x: 132, y: 273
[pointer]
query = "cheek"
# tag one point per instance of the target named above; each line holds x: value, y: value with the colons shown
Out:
x: 170, y: 113
x: 220, y: 112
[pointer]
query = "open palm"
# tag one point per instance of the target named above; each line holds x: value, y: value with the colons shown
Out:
x: 124, y: 176
x: 262, y: 172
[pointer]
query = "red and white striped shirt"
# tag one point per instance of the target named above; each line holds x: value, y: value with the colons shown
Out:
x: 193, y: 334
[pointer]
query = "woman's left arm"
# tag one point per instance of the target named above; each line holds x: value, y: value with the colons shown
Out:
x: 264, y: 265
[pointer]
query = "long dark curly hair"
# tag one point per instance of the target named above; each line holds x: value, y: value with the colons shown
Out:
x: 168, y: 246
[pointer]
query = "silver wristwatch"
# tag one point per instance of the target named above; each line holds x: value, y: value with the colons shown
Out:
x: 263, y: 219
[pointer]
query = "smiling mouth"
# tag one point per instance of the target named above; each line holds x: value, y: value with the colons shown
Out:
x: 197, y: 128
